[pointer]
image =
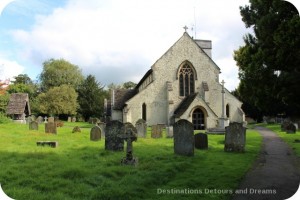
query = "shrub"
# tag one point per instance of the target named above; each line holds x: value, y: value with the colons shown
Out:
x: 4, y: 119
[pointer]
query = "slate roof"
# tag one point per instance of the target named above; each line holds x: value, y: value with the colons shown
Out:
x: 121, y: 96
x: 17, y: 104
x: 184, y: 105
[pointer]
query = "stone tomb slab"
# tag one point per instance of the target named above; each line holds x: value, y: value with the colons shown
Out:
x: 235, y: 137
x: 184, y: 141
x: 113, y: 132
x: 52, y: 144
x: 201, y: 141
x: 95, y: 133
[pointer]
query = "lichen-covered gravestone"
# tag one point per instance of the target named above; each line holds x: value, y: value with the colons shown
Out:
x: 129, y: 137
x: 291, y: 128
x: 113, y: 130
x: 235, y: 137
x: 141, y: 127
x: 40, y: 119
x: 129, y: 127
x: 76, y: 129
x: 33, y: 125
x: 95, y: 133
x: 51, y: 119
x: 184, y: 141
x: 201, y: 141
x: 50, y: 127
x: 156, y: 131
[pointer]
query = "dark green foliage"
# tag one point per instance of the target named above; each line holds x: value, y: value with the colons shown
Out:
x: 269, y: 62
x: 91, y: 98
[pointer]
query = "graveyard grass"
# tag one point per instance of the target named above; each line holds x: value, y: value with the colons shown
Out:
x: 81, y: 169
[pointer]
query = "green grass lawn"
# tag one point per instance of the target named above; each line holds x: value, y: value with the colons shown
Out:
x: 81, y: 169
x: 288, y: 138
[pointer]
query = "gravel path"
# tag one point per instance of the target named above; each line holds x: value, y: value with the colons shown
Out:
x: 276, y: 174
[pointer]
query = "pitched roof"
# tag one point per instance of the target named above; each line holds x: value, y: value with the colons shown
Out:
x: 184, y: 105
x: 17, y: 104
x: 121, y: 96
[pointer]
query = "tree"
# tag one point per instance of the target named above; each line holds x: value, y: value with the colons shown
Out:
x: 59, y: 100
x: 60, y: 72
x: 91, y: 98
x: 129, y: 85
x: 269, y: 61
x: 22, y: 79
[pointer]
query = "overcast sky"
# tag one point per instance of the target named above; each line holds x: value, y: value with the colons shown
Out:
x: 115, y: 40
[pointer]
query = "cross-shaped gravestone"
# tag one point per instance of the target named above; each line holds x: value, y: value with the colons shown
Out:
x: 46, y: 118
x: 129, y: 137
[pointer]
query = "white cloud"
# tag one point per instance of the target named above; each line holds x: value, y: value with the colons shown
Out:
x: 9, y: 69
x: 119, y: 40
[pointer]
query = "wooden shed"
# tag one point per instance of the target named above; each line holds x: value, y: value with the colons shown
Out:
x: 18, y: 106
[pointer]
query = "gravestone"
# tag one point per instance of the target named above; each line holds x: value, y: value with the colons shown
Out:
x: 76, y: 129
x: 95, y: 133
x: 141, y: 127
x: 284, y: 125
x: 46, y: 119
x: 33, y: 118
x: 50, y: 119
x: 235, y: 137
x: 73, y: 119
x: 201, y: 141
x: 40, y: 119
x: 102, y: 127
x: 50, y: 127
x: 129, y: 137
x: 129, y: 126
x: 33, y: 125
x: 69, y: 119
x: 156, y: 131
x: 291, y: 129
x: 113, y: 130
x: 169, y: 132
x: 184, y: 140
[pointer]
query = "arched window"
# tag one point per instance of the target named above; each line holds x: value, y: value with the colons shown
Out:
x: 144, y: 112
x: 227, y: 111
x: 186, y: 80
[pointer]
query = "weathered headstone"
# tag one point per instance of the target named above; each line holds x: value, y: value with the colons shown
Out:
x: 291, y: 129
x: 76, y: 129
x: 95, y: 133
x: 113, y: 130
x: 129, y: 126
x: 129, y: 137
x: 50, y: 127
x: 33, y: 118
x: 169, y: 132
x: 235, y: 137
x: 141, y: 127
x: 50, y: 119
x: 69, y: 119
x: 284, y: 124
x: 102, y: 127
x: 40, y: 119
x: 201, y: 141
x: 184, y: 141
x: 156, y: 131
x: 46, y: 119
x: 73, y: 119
x: 33, y: 125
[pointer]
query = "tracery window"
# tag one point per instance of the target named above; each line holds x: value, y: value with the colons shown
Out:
x: 186, y: 80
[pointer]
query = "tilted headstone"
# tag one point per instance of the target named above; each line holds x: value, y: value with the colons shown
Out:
x: 40, y: 119
x: 33, y: 125
x: 184, y: 140
x: 201, y: 141
x: 113, y: 130
x: 156, y: 131
x: 50, y: 127
x: 141, y: 127
x: 50, y: 119
x: 235, y: 137
x: 95, y: 133
x: 169, y: 132
x: 76, y: 129
x: 102, y: 127
x: 291, y: 128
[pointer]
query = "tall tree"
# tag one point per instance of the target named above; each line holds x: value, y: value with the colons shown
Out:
x: 59, y: 72
x: 91, y: 98
x: 22, y: 79
x: 269, y: 62
x: 59, y: 100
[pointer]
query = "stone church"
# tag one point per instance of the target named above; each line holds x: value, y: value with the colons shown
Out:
x: 182, y: 84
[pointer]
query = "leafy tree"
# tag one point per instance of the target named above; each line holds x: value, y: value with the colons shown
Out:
x: 269, y: 61
x: 129, y: 85
x: 59, y: 72
x: 91, y: 98
x: 22, y: 79
x: 4, y: 99
x: 58, y: 100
